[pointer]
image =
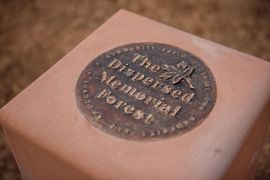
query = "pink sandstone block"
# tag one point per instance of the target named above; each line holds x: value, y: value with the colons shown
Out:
x: 51, y: 139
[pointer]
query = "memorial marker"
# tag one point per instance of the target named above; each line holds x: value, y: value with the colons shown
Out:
x: 146, y: 91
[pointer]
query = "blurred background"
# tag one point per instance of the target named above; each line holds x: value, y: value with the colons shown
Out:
x: 35, y: 34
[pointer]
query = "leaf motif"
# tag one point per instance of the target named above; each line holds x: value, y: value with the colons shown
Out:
x: 167, y: 75
x: 163, y: 76
x: 166, y: 67
x: 173, y: 68
x: 188, y: 71
x: 182, y: 65
x: 177, y: 78
x: 170, y: 73
x: 180, y: 71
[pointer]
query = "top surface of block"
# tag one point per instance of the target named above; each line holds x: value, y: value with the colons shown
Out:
x: 47, y: 114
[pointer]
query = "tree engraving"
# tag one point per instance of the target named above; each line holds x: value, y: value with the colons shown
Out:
x: 177, y: 73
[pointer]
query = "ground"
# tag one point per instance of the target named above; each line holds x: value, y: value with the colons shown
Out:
x: 34, y: 34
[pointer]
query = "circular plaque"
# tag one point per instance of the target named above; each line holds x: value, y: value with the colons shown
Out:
x: 146, y: 91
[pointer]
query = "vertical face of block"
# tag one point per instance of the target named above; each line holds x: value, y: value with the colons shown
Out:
x: 140, y: 100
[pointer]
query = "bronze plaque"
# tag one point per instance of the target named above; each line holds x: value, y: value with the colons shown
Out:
x: 146, y: 91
